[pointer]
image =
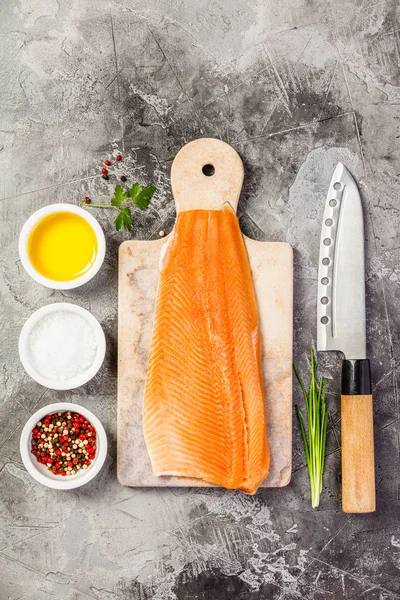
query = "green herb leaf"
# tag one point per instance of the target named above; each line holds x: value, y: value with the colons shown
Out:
x: 118, y: 222
x: 142, y: 198
x: 119, y: 196
x: 121, y: 201
x: 124, y: 219
x: 302, y: 431
x: 135, y: 189
x: 317, y: 421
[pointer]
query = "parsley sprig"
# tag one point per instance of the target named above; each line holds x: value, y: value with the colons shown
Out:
x: 122, y: 202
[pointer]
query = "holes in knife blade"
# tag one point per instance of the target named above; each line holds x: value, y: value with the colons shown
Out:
x: 324, y: 300
x: 325, y: 281
x: 327, y: 241
x: 337, y: 186
x: 324, y: 320
x: 332, y: 202
x: 325, y: 262
x: 208, y: 170
x: 329, y: 222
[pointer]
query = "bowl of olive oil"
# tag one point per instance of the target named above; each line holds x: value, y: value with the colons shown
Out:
x: 61, y: 246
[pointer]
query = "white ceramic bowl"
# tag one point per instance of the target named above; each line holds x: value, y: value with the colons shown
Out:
x: 40, y: 472
x: 23, y: 246
x: 25, y: 354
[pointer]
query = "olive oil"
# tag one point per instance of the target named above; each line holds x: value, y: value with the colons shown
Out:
x: 62, y: 246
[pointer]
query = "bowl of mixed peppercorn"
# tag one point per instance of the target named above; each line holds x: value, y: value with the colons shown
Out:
x: 63, y: 446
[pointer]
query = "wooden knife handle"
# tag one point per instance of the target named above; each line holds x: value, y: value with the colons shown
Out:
x: 358, y: 468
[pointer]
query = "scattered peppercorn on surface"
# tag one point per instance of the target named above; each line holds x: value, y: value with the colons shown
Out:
x: 65, y: 442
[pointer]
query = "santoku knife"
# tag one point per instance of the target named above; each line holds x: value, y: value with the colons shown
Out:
x: 341, y: 326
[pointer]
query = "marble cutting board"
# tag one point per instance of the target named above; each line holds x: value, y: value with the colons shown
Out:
x: 272, y: 268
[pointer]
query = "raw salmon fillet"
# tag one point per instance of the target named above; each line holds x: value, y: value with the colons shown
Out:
x: 204, y: 409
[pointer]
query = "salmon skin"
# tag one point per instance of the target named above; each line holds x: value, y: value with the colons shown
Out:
x: 204, y: 408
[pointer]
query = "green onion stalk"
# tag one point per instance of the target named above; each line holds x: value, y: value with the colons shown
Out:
x: 317, y: 420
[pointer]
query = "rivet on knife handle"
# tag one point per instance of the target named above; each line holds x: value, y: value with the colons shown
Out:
x: 358, y: 469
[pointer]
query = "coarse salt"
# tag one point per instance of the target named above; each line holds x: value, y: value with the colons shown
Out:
x: 62, y: 345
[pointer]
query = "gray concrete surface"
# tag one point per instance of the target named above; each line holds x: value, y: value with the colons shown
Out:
x: 293, y: 86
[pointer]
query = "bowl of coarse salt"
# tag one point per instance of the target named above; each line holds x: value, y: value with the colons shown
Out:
x: 62, y: 346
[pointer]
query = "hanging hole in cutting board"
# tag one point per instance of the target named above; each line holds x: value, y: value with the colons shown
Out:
x: 208, y: 170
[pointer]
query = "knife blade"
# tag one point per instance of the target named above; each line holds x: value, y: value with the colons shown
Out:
x: 341, y: 283
x: 341, y: 326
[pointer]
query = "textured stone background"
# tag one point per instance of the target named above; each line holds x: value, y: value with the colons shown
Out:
x: 293, y: 86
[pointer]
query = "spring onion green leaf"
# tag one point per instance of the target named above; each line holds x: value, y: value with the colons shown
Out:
x: 314, y: 440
